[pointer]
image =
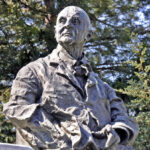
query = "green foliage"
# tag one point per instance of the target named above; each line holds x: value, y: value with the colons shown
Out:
x: 139, y: 89
x: 7, y: 131
x: 27, y: 33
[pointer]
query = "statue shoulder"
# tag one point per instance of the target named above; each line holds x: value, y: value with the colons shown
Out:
x: 103, y: 84
x: 35, y: 65
x: 100, y: 81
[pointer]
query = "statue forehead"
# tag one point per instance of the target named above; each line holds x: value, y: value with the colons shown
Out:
x: 72, y: 11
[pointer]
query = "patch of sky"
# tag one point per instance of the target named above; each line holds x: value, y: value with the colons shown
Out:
x: 143, y: 20
x: 56, y: 4
x: 103, y: 17
x: 20, y: 47
x: 90, y: 50
x: 10, y: 40
x: 12, y: 31
x: 111, y: 76
x: 104, y: 48
x: 29, y: 21
x: 40, y: 45
x: 5, y: 83
x: 1, y: 33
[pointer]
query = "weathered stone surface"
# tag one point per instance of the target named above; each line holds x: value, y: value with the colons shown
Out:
x: 5, y: 146
x: 58, y: 102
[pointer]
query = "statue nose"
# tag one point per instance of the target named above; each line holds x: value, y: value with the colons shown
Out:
x: 68, y: 24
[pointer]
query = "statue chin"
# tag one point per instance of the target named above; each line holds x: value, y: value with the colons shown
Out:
x: 66, y: 40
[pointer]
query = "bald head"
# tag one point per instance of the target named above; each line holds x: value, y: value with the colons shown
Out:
x: 72, y: 10
x: 72, y: 26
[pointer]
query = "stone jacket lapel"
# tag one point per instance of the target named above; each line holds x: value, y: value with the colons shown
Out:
x: 63, y: 71
x: 65, y: 68
x: 95, y: 100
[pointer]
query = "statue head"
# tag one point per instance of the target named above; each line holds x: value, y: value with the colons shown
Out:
x: 73, y: 26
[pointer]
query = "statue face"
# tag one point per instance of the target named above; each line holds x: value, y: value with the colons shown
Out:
x: 72, y: 26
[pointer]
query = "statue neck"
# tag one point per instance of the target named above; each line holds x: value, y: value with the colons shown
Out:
x: 74, y: 50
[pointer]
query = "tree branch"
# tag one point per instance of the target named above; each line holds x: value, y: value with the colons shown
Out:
x: 31, y: 8
x: 93, y: 17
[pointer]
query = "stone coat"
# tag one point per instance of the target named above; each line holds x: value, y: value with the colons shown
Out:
x: 52, y: 111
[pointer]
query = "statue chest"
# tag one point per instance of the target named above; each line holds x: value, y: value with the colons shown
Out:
x: 66, y: 93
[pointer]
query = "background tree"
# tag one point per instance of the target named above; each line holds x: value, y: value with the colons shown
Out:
x: 139, y: 90
x: 27, y: 33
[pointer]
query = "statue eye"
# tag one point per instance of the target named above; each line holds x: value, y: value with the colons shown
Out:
x: 62, y: 20
x: 75, y: 21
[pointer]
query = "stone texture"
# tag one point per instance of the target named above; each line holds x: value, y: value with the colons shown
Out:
x: 5, y: 146
x: 58, y: 102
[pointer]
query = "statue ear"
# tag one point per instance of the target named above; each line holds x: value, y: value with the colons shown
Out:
x: 89, y: 35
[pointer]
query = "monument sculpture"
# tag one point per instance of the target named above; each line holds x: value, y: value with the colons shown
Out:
x: 6, y: 146
x: 58, y: 102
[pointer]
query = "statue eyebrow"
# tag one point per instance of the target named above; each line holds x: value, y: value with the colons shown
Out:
x: 62, y: 18
x: 76, y: 17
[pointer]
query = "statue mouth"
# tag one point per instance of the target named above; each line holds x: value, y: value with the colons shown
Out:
x: 66, y: 34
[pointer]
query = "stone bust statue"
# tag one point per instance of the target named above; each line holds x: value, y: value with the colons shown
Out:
x: 58, y: 102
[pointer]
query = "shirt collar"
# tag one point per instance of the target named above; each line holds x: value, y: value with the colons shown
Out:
x: 58, y: 56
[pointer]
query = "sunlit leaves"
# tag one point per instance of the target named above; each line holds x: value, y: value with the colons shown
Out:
x: 139, y: 89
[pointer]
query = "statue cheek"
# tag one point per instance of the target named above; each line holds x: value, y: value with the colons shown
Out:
x: 59, y: 28
x: 58, y: 34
